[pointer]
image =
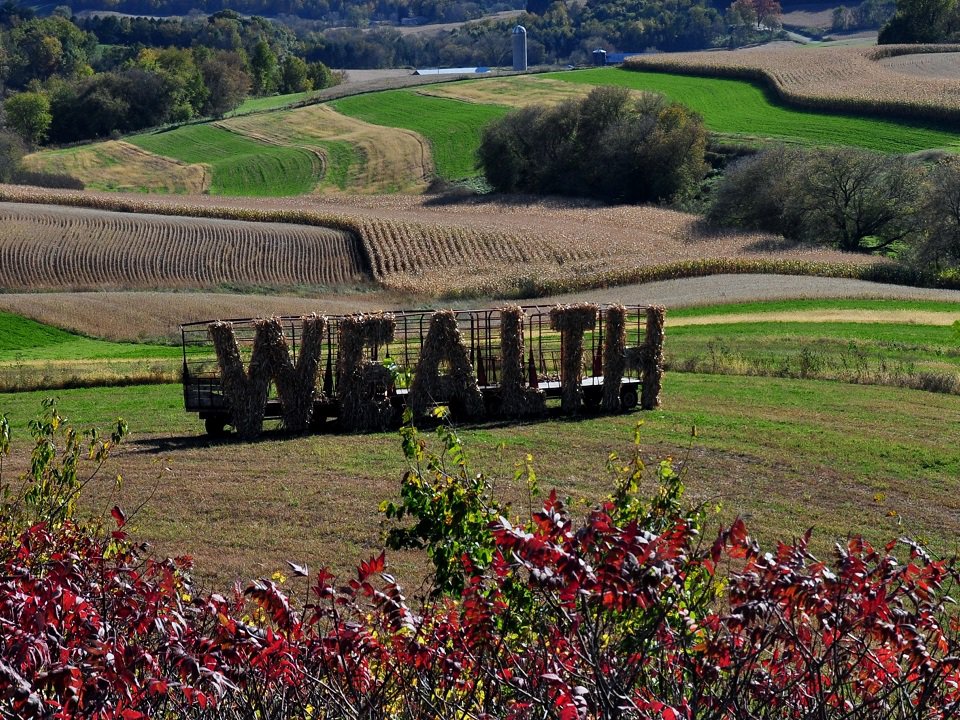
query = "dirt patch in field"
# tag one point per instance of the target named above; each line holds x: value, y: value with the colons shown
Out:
x: 118, y: 165
x: 391, y: 158
x: 812, y: 16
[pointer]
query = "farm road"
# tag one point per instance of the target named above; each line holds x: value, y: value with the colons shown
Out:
x: 717, y: 289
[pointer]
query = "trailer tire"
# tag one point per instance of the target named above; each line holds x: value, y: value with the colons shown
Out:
x: 629, y: 398
x: 216, y: 426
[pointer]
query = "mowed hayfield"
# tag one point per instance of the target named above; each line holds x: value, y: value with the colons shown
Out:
x: 61, y: 248
x: 407, y: 245
x: 785, y: 454
x: 858, y: 78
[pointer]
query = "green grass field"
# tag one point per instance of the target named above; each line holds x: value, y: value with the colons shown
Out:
x: 239, y: 165
x: 25, y: 339
x: 453, y: 128
x: 33, y: 355
x: 272, y: 102
x: 865, y: 342
x: 738, y: 107
x: 784, y: 454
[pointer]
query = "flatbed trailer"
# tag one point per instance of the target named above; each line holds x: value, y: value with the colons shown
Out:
x: 203, y: 387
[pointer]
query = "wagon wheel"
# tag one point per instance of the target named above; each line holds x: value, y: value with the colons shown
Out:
x: 592, y: 398
x: 215, y: 426
x: 629, y: 397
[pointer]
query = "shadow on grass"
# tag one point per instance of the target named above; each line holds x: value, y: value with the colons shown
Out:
x: 157, y: 445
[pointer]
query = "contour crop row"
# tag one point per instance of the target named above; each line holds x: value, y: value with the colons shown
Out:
x: 843, y: 79
x: 65, y: 248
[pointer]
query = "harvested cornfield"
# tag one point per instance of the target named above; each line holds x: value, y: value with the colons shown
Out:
x: 842, y: 78
x: 59, y: 248
x: 503, y: 248
x: 116, y: 165
x: 387, y: 159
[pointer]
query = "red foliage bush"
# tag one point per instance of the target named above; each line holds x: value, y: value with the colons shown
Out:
x: 626, y: 614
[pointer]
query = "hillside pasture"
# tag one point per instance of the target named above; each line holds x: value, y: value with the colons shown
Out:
x: 371, y: 158
x: 784, y: 454
x: 238, y: 165
x: 452, y: 127
x: 854, y: 79
x: 744, y: 109
x: 34, y: 355
x: 61, y: 248
x: 118, y: 165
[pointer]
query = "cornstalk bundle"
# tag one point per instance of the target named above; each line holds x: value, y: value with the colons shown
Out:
x: 572, y: 321
x: 444, y: 342
x: 363, y: 384
x: 653, y: 358
x: 515, y: 399
x: 614, y: 359
x: 297, y: 384
x: 245, y: 392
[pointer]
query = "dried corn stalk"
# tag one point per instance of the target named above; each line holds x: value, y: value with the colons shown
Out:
x: 515, y: 399
x: 444, y: 342
x: 614, y: 356
x: 572, y: 321
x: 363, y: 384
x: 244, y: 391
x: 297, y: 384
x: 653, y: 358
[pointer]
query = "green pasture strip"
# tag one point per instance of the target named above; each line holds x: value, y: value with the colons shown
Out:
x: 239, y: 165
x: 452, y: 127
x: 850, y: 348
x: 740, y: 107
x: 25, y: 340
x: 812, y: 305
x: 883, y: 334
x: 785, y: 454
x: 273, y: 102
x: 341, y: 157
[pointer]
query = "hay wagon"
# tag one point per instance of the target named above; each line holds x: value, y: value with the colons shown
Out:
x: 480, y: 332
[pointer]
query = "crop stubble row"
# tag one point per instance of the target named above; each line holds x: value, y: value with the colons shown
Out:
x: 67, y: 248
x: 406, y: 245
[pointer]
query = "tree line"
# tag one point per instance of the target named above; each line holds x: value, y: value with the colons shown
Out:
x: 62, y: 84
x: 617, y: 147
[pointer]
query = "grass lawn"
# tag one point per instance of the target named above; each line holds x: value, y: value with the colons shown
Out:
x: 239, y: 165
x: 785, y: 454
x: 738, y: 107
x: 452, y: 127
